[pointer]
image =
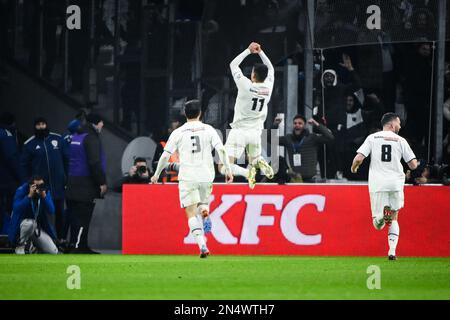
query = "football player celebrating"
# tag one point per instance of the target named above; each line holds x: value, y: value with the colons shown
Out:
x: 194, y: 142
x: 386, y: 176
x: 250, y: 112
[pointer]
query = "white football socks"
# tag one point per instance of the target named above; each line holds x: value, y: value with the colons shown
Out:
x: 196, y: 228
x: 394, y: 233
x: 378, y: 222
x: 236, y: 171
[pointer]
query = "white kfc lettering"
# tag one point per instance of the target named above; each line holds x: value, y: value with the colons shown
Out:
x: 288, y: 221
x: 253, y: 218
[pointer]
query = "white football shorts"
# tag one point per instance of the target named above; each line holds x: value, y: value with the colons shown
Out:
x: 194, y: 193
x: 378, y: 200
x: 240, y: 139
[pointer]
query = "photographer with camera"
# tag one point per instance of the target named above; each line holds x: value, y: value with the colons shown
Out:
x: 138, y: 174
x: 29, y: 223
x: 428, y: 174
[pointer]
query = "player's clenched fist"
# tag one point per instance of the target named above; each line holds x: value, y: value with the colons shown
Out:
x: 254, y: 47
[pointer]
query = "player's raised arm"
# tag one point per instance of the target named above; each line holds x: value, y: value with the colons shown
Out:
x: 236, y: 72
x: 266, y: 61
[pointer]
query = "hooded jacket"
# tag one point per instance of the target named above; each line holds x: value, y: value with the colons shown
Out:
x: 334, y: 99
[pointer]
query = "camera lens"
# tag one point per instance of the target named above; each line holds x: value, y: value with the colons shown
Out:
x: 142, y: 169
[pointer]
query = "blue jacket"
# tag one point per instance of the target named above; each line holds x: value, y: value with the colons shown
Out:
x: 48, y: 158
x: 22, y: 209
x: 9, y: 159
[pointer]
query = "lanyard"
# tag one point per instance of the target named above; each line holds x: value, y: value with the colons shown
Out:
x: 297, y: 146
x: 36, y: 212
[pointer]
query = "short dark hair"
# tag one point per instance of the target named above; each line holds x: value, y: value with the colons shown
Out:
x: 299, y: 116
x: 388, y: 117
x: 35, y: 178
x: 192, y: 109
x: 260, y: 71
x: 139, y: 159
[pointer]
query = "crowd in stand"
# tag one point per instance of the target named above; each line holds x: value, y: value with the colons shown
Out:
x: 49, y: 184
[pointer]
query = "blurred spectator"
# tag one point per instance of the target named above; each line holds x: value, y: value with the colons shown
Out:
x: 334, y: 92
x: 9, y: 167
x: 422, y: 25
x: 377, y: 69
x: 72, y: 128
x: 47, y: 154
x: 170, y: 175
x: 87, y: 181
x: 138, y: 174
x: 351, y: 136
x: 29, y: 223
x: 427, y: 174
x: 301, y: 147
x: 417, y: 95
x: 372, y: 112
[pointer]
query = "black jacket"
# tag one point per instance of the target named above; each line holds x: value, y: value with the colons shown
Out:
x: 335, y: 100
x: 307, y: 145
x: 88, y: 188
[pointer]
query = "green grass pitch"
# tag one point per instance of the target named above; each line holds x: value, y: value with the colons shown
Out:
x: 221, y: 277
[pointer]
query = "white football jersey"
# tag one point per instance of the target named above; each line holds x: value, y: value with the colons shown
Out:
x: 194, y: 142
x: 250, y: 110
x: 386, y: 171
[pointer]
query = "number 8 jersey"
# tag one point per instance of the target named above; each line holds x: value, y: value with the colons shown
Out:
x: 194, y: 142
x: 250, y: 110
x: 386, y: 171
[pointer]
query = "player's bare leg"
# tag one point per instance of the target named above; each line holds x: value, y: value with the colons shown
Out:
x: 393, y: 235
x: 196, y: 228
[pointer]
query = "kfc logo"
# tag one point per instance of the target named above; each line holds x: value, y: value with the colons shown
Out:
x: 254, y: 218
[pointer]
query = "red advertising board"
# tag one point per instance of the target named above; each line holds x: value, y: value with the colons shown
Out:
x: 328, y: 220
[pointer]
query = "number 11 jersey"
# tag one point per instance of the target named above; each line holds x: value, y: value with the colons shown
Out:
x: 194, y: 142
x: 386, y: 171
x: 250, y: 110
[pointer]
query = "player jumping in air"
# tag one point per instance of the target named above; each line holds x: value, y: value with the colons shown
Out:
x: 250, y: 112
x: 386, y: 176
x: 194, y: 142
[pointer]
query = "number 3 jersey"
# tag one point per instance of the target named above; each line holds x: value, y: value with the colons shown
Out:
x: 386, y: 150
x: 250, y: 111
x: 194, y: 142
